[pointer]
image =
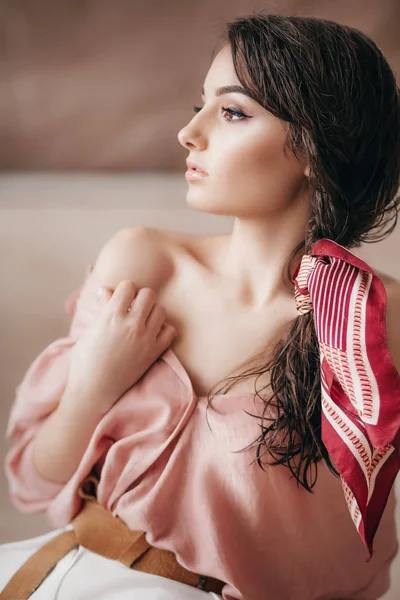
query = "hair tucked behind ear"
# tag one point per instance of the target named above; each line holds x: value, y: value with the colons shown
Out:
x: 338, y: 93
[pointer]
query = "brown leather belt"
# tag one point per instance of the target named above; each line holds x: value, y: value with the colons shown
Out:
x: 97, y: 530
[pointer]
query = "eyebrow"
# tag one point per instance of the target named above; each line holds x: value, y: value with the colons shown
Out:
x: 228, y: 89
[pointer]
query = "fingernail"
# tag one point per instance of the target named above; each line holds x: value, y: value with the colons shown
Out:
x: 100, y: 293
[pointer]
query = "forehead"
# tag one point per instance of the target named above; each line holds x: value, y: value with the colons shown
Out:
x: 221, y: 71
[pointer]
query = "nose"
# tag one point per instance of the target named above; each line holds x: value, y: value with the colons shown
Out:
x: 190, y: 136
x: 182, y: 138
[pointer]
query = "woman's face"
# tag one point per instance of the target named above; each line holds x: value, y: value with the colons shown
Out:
x: 250, y: 173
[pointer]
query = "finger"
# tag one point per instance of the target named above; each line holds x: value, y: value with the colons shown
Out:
x: 123, y: 296
x: 156, y: 318
x: 143, y: 305
x: 166, y: 335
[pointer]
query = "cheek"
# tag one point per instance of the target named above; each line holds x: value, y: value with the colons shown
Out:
x: 256, y: 168
x: 255, y: 161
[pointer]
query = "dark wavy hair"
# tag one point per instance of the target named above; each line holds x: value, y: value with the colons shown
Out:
x: 338, y: 93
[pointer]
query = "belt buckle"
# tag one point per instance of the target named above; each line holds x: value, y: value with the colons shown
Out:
x: 90, y: 495
x: 201, y: 584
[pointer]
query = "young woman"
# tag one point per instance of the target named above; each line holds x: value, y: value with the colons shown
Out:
x: 299, y: 139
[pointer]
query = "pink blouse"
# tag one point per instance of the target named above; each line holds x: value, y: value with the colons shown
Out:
x: 167, y: 471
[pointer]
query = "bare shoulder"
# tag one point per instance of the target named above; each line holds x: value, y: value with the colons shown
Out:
x: 387, y: 280
x: 141, y: 254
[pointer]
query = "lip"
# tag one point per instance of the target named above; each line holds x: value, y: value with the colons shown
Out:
x: 193, y: 175
x: 192, y: 165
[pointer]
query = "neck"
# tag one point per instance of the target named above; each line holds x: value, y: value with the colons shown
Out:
x: 255, y: 260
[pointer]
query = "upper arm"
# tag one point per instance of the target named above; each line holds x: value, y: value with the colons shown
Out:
x: 136, y: 253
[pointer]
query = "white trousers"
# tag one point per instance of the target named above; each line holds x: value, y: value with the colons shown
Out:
x: 84, y: 575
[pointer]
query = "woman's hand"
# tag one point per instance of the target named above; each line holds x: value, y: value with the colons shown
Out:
x: 123, y: 341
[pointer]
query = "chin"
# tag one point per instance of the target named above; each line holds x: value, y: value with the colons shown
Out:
x: 200, y: 200
x: 209, y: 208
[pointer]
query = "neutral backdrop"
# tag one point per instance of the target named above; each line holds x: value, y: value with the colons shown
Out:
x: 107, y: 84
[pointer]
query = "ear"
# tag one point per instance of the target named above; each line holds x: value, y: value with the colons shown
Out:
x: 307, y: 171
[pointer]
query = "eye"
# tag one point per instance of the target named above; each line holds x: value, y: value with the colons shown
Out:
x: 231, y: 111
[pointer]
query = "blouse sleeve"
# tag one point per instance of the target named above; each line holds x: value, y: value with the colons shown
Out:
x: 37, y: 396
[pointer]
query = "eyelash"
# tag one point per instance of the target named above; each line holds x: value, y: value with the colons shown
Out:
x: 231, y: 111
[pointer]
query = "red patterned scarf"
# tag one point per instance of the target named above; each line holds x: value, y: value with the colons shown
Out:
x: 360, y: 386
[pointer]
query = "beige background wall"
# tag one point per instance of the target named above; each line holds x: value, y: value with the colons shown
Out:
x: 107, y: 84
